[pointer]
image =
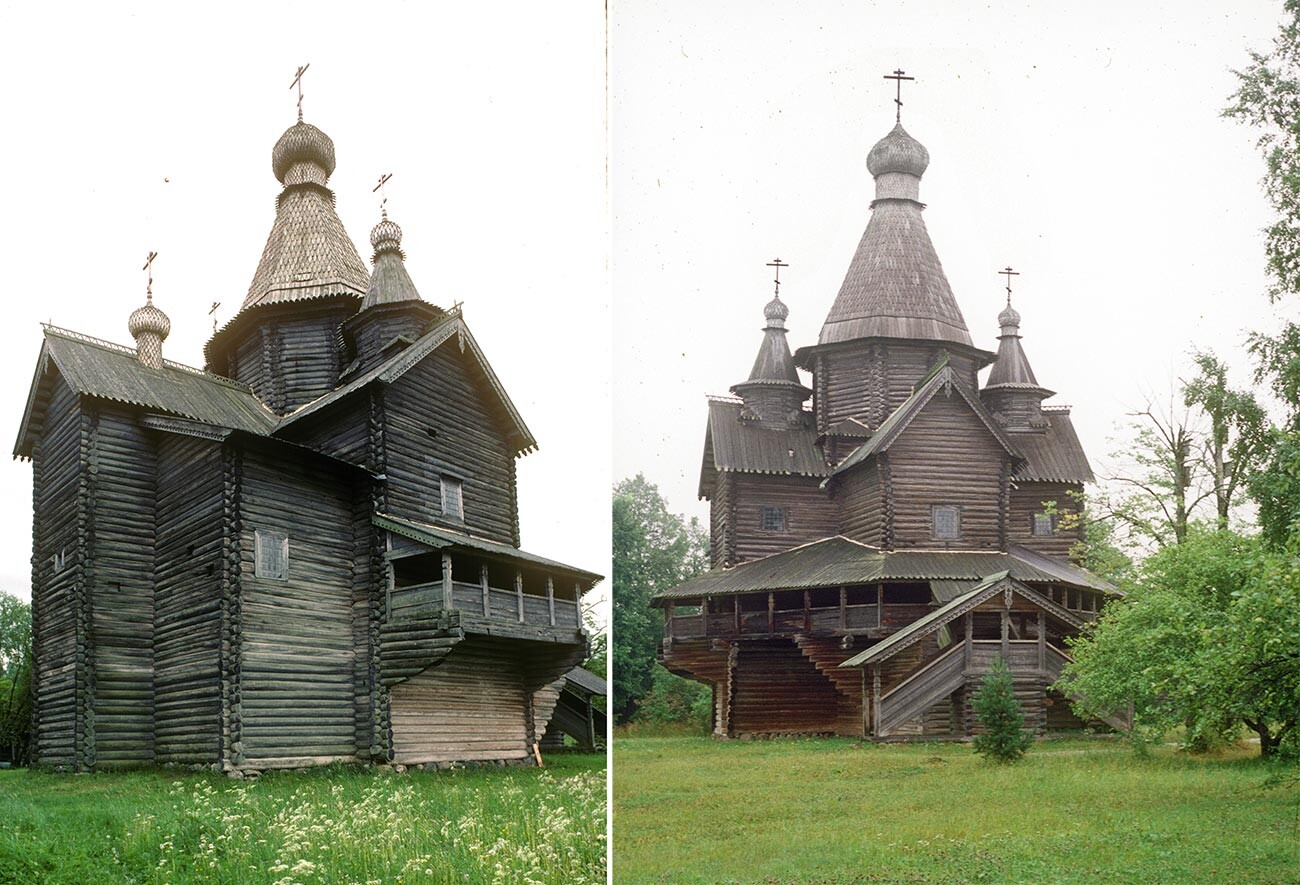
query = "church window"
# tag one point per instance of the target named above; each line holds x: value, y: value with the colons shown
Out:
x: 453, y: 505
x: 1043, y: 524
x: 773, y: 519
x: 60, y: 560
x: 272, y: 555
x: 945, y: 522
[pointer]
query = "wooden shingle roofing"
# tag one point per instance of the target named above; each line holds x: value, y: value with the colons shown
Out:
x: 97, y: 368
x: 731, y: 444
x: 1053, y: 455
x: 837, y: 561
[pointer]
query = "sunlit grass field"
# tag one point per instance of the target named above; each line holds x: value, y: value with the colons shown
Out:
x: 689, y: 809
x: 334, y: 825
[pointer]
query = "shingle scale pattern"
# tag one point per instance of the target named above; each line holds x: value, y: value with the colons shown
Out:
x: 747, y: 448
x: 308, y: 254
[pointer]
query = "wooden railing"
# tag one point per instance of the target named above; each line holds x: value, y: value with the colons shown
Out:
x: 494, y: 603
x: 827, y: 619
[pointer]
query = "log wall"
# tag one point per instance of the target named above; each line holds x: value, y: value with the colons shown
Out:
x: 292, y: 355
x: 120, y: 520
x: 187, y: 601
x: 809, y: 513
x: 860, y: 496
x: 1026, y: 500
x: 947, y: 456
x: 869, y: 379
x: 776, y: 690
x: 722, y: 519
x: 438, y: 418
x: 297, y: 657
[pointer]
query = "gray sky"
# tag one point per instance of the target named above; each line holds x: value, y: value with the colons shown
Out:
x: 490, y: 118
x: 1080, y: 143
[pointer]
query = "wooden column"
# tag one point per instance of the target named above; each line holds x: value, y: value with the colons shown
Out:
x: 844, y: 618
x: 867, y: 701
x: 771, y: 613
x: 880, y: 604
x: 970, y: 633
x: 735, y: 611
x: 1006, y: 629
x: 875, y: 698
x: 487, y: 593
x: 704, y: 613
x: 1042, y: 641
x: 519, y: 594
x: 807, y: 611
x: 550, y: 598
x: 446, y: 581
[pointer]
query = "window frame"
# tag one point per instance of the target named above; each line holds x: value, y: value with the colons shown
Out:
x: 935, y: 510
x: 768, y: 509
x: 445, y: 482
x: 262, y: 539
x: 1034, y: 521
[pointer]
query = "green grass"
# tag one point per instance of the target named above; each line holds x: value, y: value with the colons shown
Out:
x: 334, y: 825
x: 835, y: 811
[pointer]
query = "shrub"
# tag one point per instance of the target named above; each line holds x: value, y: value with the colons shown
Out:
x: 1004, y: 738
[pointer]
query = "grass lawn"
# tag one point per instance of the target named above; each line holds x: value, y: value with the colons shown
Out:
x: 835, y: 811
x: 335, y: 825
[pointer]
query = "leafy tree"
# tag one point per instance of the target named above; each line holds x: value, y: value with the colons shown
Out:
x: 15, y: 677
x: 1208, y: 637
x: 1004, y: 738
x: 673, y: 700
x: 653, y: 550
x: 15, y: 633
x: 1276, y: 489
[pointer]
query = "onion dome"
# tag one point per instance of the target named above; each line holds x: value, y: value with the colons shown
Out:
x: 1009, y: 319
x: 898, y: 152
x: 773, y: 394
x: 775, y: 313
x: 150, y: 327
x: 303, y: 154
x: 386, y: 236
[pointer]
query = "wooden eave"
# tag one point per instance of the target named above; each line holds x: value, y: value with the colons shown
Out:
x: 805, y: 357
x: 930, y: 623
x: 439, y: 538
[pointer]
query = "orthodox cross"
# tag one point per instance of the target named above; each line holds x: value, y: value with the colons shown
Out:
x: 212, y: 312
x: 898, y: 79
x: 1009, y: 273
x: 383, y: 194
x: 778, y: 264
x: 297, y: 81
x: 148, y: 268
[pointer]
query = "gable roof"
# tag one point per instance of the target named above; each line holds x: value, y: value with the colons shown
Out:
x: 586, y: 680
x: 941, y: 377
x: 1054, y: 455
x: 393, y: 368
x: 980, y: 593
x: 98, y: 368
x: 731, y: 444
x: 838, y: 560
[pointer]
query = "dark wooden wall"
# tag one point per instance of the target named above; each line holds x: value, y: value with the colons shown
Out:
x: 947, y: 456
x: 868, y: 380
x: 722, y: 538
x: 776, y: 690
x: 120, y: 522
x: 862, y: 498
x: 297, y: 654
x: 444, y: 394
x: 809, y: 512
x: 292, y: 355
x: 1027, y: 499
x: 59, y: 611
x: 188, y: 600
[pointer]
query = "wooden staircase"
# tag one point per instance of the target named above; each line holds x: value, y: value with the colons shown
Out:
x: 826, y: 654
x: 920, y: 691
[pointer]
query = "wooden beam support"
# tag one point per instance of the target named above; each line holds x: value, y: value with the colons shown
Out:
x: 550, y: 598
x: 519, y: 593
x: 487, y: 595
x: 970, y: 635
x: 807, y: 613
x: 1042, y: 640
x: 771, y: 613
x: 446, y: 582
x: 844, y: 614
x: 1006, y: 638
x: 875, y: 698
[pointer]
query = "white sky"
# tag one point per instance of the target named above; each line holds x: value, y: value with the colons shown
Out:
x: 1080, y: 143
x: 490, y: 118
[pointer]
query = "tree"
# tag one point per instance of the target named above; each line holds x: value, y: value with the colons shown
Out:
x: 653, y: 550
x: 15, y: 677
x: 1239, y: 435
x: 15, y: 633
x: 1208, y: 637
x: 1004, y: 738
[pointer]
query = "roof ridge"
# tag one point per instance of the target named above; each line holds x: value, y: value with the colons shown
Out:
x: 51, y: 329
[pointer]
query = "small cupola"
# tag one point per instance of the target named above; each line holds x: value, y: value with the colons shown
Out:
x: 149, y: 326
x: 1012, y: 393
x: 773, y: 395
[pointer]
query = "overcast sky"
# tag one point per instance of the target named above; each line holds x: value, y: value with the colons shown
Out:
x: 1080, y: 143
x: 152, y: 129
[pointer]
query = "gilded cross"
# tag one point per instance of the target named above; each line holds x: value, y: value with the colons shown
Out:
x: 898, y: 79
x: 148, y: 268
x: 1009, y: 273
x: 778, y: 264
x: 383, y: 194
x: 297, y: 81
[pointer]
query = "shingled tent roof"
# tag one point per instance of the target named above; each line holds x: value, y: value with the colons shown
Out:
x: 837, y: 561
x: 735, y: 445
x: 940, y: 377
x: 1055, y: 454
x: 895, y: 286
x: 93, y: 367
x: 452, y: 328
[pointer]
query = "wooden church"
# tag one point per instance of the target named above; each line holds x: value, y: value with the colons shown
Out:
x: 308, y: 550
x: 873, y: 555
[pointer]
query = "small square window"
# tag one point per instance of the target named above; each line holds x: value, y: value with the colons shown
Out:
x: 773, y: 519
x: 453, y: 504
x: 945, y: 522
x: 1043, y: 524
x: 272, y: 555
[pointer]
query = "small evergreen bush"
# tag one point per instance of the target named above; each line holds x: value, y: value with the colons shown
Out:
x: 1004, y: 738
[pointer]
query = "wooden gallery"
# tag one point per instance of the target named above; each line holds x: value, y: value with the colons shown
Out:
x: 309, y: 550
x: 872, y: 556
